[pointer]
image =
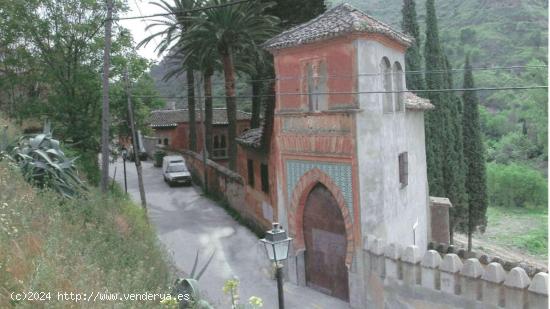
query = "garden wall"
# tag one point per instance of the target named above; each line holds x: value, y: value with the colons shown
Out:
x: 225, y: 185
x: 403, y: 278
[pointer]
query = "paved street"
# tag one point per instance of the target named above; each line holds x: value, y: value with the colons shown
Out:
x: 186, y: 222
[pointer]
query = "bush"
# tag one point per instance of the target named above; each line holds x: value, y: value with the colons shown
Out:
x: 516, y: 185
x: 81, y: 245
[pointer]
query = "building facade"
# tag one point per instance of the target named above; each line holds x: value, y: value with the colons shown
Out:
x: 171, y: 130
x: 348, y: 149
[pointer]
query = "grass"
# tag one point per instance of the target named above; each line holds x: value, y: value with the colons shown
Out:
x: 523, y: 229
x: 86, y: 245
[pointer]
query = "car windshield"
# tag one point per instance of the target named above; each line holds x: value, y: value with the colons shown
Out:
x: 176, y: 168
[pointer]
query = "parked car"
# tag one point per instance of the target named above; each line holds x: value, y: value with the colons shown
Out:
x: 175, y: 171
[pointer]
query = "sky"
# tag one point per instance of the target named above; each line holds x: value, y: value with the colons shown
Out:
x: 137, y: 26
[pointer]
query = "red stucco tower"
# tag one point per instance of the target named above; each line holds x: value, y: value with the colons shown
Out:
x: 332, y: 76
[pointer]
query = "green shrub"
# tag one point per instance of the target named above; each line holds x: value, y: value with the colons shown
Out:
x: 95, y: 244
x: 516, y: 185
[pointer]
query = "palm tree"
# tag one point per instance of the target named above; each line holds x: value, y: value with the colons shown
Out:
x: 177, y: 21
x: 206, y: 60
x: 232, y: 30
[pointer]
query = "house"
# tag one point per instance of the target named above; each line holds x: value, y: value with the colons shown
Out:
x: 171, y: 129
x: 347, y: 156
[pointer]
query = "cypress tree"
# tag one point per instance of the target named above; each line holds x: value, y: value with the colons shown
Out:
x: 474, y: 157
x: 413, y: 58
x: 435, y: 129
x: 444, y: 153
x: 454, y: 167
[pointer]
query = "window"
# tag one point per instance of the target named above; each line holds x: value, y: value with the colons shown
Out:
x: 219, y: 149
x: 166, y: 142
x: 250, y: 168
x: 316, y: 83
x: 265, y: 177
x: 403, y: 169
x: 159, y: 141
x: 398, y: 82
x: 387, y: 83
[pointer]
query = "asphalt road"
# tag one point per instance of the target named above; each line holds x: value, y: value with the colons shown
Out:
x: 187, y: 222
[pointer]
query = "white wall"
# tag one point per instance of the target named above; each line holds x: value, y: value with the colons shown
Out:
x: 387, y: 210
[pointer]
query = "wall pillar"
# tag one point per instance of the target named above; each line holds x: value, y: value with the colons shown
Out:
x: 471, y: 273
x: 538, y: 292
x: 430, y: 270
x: 411, y: 272
x: 439, y: 216
x: 449, y: 268
x: 392, y: 253
x: 516, y: 284
x: 492, y: 284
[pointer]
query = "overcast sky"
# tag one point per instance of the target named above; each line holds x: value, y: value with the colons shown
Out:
x: 137, y: 26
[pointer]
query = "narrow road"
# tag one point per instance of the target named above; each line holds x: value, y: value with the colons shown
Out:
x: 187, y: 222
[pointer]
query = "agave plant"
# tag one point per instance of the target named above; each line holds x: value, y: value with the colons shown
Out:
x: 44, y: 164
x: 190, y: 286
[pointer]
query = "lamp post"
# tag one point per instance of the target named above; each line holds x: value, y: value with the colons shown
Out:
x: 276, y: 244
x: 124, y: 156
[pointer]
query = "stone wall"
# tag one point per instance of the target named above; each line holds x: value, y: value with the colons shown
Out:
x: 397, y: 277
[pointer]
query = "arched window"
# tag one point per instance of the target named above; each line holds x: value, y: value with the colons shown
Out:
x: 166, y: 142
x: 398, y: 82
x: 385, y: 69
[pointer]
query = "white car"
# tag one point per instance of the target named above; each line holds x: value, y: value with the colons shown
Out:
x: 175, y: 171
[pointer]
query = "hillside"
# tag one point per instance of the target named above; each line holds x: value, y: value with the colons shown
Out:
x: 90, y: 244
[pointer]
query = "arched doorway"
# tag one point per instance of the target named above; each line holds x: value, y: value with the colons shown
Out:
x: 326, y: 244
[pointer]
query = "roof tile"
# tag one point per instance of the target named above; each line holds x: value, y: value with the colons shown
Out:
x: 339, y: 20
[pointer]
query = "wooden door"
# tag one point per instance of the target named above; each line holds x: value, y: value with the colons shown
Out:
x: 326, y: 244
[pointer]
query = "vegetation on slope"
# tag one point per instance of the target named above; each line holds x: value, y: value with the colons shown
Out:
x: 89, y: 244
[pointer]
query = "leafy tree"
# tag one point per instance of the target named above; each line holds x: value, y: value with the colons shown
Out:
x: 232, y: 30
x: 474, y: 156
x: 59, y: 49
x: 413, y: 58
x: 516, y: 185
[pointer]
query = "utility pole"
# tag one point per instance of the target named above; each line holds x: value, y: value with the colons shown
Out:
x: 204, y: 150
x: 105, y: 110
x: 135, y: 143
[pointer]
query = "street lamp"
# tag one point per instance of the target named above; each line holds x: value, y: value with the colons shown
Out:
x: 276, y: 244
x: 124, y: 156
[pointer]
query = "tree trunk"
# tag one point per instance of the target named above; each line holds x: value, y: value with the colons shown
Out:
x: 192, y: 111
x: 208, y: 110
x: 256, y: 101
x: 231, y: 104
x: 105, y: 112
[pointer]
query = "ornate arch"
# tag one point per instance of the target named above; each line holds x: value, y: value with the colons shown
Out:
x: 297, y: 205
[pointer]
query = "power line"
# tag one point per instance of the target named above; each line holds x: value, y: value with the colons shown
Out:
x: 146, y: 23
x: 184, y: 11
x: 355, y: 92
x: 336, y: 76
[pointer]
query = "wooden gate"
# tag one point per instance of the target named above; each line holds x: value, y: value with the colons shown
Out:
x: 325, y: 240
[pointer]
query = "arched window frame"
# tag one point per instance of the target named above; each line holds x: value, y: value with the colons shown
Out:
x: 398, y: 86
x: 386, y: 74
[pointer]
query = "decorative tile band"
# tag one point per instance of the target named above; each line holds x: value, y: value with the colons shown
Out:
x: 340, y: 173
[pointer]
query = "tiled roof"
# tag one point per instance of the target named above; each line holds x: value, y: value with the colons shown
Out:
x: 251, y: 138
x: 414, y: 102
x: 171, y: 117
x: 339, y: 20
